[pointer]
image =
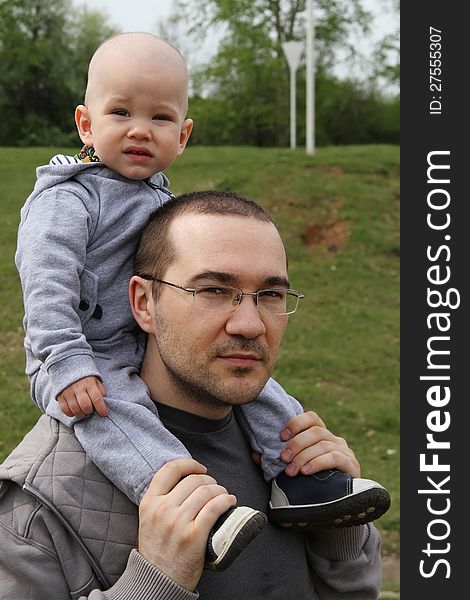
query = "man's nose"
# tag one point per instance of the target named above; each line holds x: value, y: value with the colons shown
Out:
x: 246, y: 320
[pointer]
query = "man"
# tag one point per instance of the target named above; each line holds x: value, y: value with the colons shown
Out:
x: 212, y: 293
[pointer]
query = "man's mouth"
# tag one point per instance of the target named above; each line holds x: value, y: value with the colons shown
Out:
x: 241, y: 358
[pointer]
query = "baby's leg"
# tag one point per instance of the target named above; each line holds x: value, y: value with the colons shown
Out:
x: 263, y: 420
x: 131, y: 443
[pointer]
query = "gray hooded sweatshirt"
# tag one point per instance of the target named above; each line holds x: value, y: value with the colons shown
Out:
x: 77, y: 238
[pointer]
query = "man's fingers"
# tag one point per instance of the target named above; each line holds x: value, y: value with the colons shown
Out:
x: 332, y: 460
x: 314, y: 448
x: 324, y: 455
x: 343, y: 457
x: 305, y: 439
x: 212, y: 510
x: 176, y: 515
x: 198, y: 498
x: 190, y: 484
x: 171, y: 473
x: 301, y: 423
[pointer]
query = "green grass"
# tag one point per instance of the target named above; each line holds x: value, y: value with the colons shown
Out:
x: 340, y: 356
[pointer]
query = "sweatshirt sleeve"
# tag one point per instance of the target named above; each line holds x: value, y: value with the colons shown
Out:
x: 346, y: 563
x: 140, y: 581
x: 52, y: 241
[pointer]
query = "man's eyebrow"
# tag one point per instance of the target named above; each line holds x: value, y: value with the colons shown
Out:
x: 230, y: 279
x: 218, y: 276
x: 276, y: 281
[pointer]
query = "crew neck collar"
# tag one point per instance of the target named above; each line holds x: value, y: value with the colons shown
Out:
x: 180, y: 419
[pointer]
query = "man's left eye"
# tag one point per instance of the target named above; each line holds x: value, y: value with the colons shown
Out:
x: 272, y: 294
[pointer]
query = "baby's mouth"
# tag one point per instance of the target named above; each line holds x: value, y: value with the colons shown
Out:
x: 138, y: 152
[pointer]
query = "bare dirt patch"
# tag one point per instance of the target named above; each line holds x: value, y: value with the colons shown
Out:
x: 333, y: 234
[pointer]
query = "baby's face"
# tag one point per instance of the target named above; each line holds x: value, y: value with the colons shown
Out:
x: 137, y: 115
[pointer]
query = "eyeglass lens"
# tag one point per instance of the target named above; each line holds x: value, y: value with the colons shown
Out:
x: 275, y: 301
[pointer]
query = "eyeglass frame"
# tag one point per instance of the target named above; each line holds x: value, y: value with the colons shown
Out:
x: 238, y: 298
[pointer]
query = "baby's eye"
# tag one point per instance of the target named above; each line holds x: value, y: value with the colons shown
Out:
x: 121, y: 112
x: 162, y: 118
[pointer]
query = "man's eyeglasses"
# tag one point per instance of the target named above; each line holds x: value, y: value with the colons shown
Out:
x: 215, y: 297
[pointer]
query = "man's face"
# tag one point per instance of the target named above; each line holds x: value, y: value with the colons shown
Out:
x: 220, y: 358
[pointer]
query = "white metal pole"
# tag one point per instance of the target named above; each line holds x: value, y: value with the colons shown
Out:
x: 310, y: 76
x: 293, y: 125
x: 292, y: 51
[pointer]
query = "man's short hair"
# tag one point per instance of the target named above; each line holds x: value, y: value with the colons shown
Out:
x: 156, y: 251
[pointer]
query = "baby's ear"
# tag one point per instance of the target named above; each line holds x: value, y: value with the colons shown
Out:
x: 186, y: 129
x: 83, y: 123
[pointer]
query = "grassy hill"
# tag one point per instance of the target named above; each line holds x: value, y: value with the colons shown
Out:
x: 338, y: 212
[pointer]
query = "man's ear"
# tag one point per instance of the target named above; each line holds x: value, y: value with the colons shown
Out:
x: 186, y: 129
x: 141, y: 301
x: 83, y: 123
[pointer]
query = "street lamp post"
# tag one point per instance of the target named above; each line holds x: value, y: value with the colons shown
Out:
x: 310, y: 77
x: 292, y: 52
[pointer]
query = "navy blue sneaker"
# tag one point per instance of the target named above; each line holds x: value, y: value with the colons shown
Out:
x: 326, y: 500
x: 231, y: 534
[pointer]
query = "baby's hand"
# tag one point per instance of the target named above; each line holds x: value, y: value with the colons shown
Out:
x: 82, y: 397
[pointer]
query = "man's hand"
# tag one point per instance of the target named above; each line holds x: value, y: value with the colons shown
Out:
x: 311, y: 447
x: 176, y: 515
x: 82, y: 397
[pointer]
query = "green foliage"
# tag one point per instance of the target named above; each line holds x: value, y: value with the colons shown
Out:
x: 245, y: 87
x: 346, y: 113
x: 44, y: 52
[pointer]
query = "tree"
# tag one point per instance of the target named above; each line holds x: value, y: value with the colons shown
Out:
x: 248, y: 76
x: 42, y: 65
x: 30, y: 66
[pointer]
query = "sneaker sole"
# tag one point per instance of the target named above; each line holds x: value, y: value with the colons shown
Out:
x: 350, y: 511
x: 238, y: 541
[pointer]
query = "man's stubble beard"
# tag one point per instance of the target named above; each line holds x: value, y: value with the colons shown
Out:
x: 208, y: 392
x: 194, y: 382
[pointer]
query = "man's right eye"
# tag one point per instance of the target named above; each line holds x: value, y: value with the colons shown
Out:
x: 213, y: 291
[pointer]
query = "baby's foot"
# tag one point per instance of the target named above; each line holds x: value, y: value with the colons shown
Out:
x: 231, y: 534
x: 326, y: 500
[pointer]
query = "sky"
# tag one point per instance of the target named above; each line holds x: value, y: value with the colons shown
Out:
x: 133, y: 15
x: 145, y: 15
